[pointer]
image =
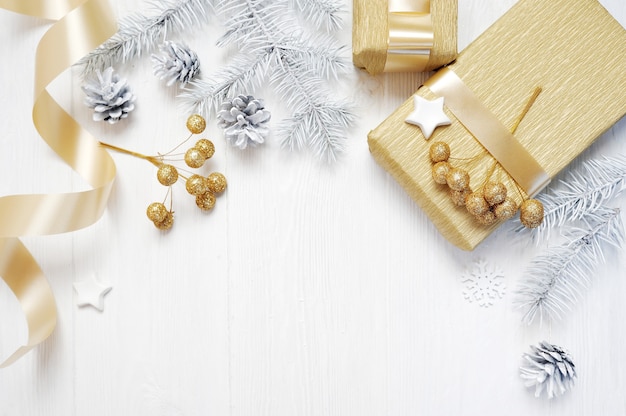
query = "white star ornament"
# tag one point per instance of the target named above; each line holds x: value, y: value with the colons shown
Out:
x: 91, y: 292
x: 428, y: 115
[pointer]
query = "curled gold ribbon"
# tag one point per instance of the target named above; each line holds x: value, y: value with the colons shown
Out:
x: 82, y: 26
x: 489, y: 131
x: 411, y: 35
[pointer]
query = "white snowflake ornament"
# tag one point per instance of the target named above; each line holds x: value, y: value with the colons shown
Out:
x: 484, y: 283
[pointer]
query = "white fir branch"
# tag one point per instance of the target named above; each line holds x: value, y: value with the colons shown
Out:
x: 327, y: 60
x: 318, y: 119
x: 321, y: 13
x: 247, y: 20
x: 139, y: 34
x: 554, y: 280
x: 582, y: 191
x: 245, y: 73
x: 272, y: 47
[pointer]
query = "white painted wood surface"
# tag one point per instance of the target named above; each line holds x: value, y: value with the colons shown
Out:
x: 309, y: 290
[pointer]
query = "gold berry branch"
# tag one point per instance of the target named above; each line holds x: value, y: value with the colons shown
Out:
x: 204, y: 189
x: 491, y: 202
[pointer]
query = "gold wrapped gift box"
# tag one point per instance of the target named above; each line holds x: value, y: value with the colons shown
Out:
x: 403, y: 35
x: 573, y: 49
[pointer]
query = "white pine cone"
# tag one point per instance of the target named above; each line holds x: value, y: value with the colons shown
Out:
x: 243, y: 119
x: 109, y: 96
x: 176, y: 63
x: 548, y: 368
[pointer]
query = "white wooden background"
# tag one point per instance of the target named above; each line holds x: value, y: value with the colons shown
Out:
x: 309, y: 290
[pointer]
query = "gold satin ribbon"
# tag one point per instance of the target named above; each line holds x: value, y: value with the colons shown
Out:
x: 83, y: 25
x: 411, y: 35
x: 489, y: 131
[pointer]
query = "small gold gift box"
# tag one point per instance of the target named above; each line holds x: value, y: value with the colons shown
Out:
x: 403, y: 35
x: 574, y: 50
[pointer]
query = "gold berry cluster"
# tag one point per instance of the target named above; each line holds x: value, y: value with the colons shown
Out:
x: 204, y: 189
x: 488, y: 204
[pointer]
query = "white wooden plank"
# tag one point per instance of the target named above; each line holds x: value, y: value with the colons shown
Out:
x: 309, y: 290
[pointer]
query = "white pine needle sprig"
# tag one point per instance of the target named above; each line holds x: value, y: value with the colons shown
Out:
x: 245, y: 73
x: 139, y: 34
x: 321, y: 13
x: 272, y: 47
x: 554, y: 280
x: 582, y: 191
x: 318, y: 120
x: 322, y: 53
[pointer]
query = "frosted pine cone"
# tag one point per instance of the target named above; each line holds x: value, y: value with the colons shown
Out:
x: 176, y: 63
x: 243, y: 119
x: 548, y: 368
x: 109, y: 96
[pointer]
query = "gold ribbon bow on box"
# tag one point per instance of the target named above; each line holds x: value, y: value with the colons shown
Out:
x: 411, y: 35
x: 82, y: 26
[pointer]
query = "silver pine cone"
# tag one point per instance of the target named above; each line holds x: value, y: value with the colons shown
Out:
x: 243, y: 119
x: 109, y: 96
x: 175, y: 63
x: 548, y: 368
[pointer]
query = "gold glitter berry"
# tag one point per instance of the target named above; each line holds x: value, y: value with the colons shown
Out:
x: 216, y: 182
x: 458, y: 179
x: 506, y: 209
x: 206, y: 201
x: 156, y: 212
x: 440, y: 170
x: 194, y: 158
x: 439, y: 152
x: 196, y: 185
x: 167, y: 223
x: 476, y: 204
x: 167, y: 175
x: 458, y: 197
x: 531, y: 213
x: 487, y: 218
x: 196, y: 124
x: 494, y: 193
x: 205, y: 146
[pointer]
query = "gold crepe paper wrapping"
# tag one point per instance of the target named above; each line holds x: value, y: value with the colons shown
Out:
x: 574, y: 49
x: 370, y: 34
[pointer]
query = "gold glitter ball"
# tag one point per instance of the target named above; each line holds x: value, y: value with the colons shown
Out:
x: 167, y: 223
x: 506, y: 209
x: 194, y: 158
x: 494, y: 193
x: 196, y: 124
x: 458, y: 197
x: 439, y: 152
x: 196, y: 185
x: 487, y: 218
x: 156, y: 212
x: 205, y: 146
x: 476, y: 204
x: 440, y: 171
x: 531, y: 213
x: 206, y: 201
x: 216, y: 182
x: 458, y: 179
x: 167, y: 175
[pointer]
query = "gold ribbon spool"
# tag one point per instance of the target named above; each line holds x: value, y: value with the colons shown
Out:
x: 83, y: 25
x: 489, y: 131
x: 411, y: 35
